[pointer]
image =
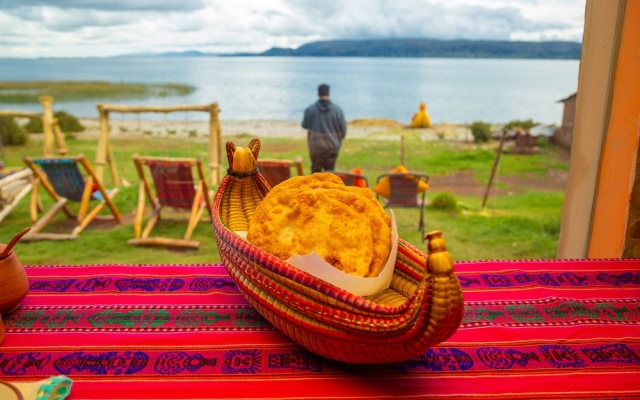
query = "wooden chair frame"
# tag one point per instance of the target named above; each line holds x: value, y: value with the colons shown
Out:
x: 403, y: 192
x: 272, y: 179
x: 202, y: 199
x: 13, y: 188
x: 84, y: 216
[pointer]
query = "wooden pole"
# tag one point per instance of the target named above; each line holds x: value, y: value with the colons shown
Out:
x: 221, y: 146
x: 160, y: 109
x: 47, y: 124
x: 50, y: 127
x: 495, y: 167
x: 402, y: 150
x: 101, y: 153
x: 115, y: 178
x: 215, y: 144
x: 25, y: 114
x: 59, y: 138
x: 6, y: 208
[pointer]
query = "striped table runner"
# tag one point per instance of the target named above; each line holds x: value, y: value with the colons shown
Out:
x: 532, y: 329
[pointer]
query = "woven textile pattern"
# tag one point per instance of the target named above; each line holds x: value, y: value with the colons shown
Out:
x: 174, y: 184
x: 531, y: 329
x: 275, y: 172
x: 65, y: 177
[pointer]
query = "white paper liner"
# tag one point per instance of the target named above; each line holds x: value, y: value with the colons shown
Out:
x: 314, y: 265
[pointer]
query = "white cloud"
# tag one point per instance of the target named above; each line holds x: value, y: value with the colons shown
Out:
x: 71, y: 28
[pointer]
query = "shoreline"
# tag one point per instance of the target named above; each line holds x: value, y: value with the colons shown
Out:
x: 380, y: 129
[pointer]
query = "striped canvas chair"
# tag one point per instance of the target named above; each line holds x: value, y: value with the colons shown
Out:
x: 276, y: 171
x: 176, y: 187
x: 63, y: 180
x: 352, y: 179
x: 405, y: 191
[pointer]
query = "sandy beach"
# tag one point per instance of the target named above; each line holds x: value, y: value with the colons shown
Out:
x: 380, y: 129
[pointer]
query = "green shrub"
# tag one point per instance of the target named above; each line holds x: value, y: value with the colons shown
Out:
x: 66, y: 122
x: 543, y: 142
x: 481, y: 131
x: 12, y: 133
x: 524, y: 124
x: 34, y: 125
x: 445, y: 201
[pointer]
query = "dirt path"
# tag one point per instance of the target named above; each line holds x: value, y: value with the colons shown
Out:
x: 464, y: 183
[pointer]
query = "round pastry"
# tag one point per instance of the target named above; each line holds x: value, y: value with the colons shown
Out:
x: 345, y: 225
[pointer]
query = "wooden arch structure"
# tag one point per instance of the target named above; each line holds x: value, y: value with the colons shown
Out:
x: 17, y: 184
x: 50, y: 128
x: 104, y: 153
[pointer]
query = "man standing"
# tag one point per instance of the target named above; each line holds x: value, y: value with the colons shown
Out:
x: 326, y: 128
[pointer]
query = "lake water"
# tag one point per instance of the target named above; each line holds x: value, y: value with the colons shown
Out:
x: 279, y: 88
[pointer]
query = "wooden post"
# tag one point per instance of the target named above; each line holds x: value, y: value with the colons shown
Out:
x: 495, y: 167
x: 101, y: 153
x: 402, y: 150
x: 50, y: 127
x: 215, y: 144
x: 47, y: 124
x: 115, y: 178
x: 221, y: 146
x: 59, y: 138
x: 20, y: 114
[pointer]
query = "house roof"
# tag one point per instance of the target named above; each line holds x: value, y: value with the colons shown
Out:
x: 542, y: 130
x: 567, y: 98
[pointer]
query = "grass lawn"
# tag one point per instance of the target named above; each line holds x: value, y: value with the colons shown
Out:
x: 519, y: 222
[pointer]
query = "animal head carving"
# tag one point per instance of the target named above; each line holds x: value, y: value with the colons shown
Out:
x: 243, y: 159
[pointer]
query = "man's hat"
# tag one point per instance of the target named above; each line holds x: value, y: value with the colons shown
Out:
x: 323, y: 90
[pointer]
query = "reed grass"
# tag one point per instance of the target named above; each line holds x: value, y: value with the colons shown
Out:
x: 26, y: 92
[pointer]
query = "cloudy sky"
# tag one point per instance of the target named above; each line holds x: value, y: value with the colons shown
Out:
x: 81, y: 28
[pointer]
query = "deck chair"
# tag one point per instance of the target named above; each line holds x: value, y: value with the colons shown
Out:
x: 62, y: 178
x: 177, y: 187
x: 276, y: 171
x: 14, y: 186
x: 404, y: 191
x: 350, y: 178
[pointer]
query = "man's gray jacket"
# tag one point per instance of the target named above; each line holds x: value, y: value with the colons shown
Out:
x: 326, y: 127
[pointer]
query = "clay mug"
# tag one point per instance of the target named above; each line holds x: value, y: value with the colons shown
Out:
x: 14, y: 284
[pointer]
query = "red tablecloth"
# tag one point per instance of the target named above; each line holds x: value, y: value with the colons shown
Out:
x: 532, y: 329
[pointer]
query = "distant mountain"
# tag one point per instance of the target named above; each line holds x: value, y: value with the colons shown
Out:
x: 432, y: 48
x: 408, y: 48
x: 188, y: 53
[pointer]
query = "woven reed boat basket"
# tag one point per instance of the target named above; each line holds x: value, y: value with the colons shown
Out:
x: 422, y: 307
